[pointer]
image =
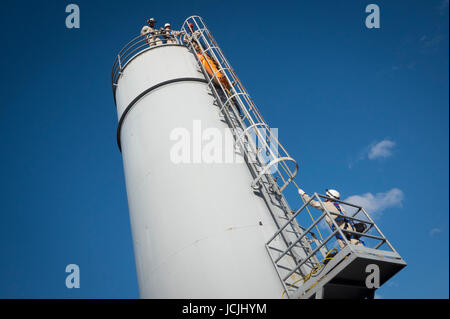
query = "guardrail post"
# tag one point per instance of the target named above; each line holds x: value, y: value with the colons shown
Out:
x: 120, y: 64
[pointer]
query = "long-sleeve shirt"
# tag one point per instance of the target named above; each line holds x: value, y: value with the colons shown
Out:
x: 170, y: 35
x: 151, y: 34
x: 328, y: 205
x: 195, y: 36
x: 147, y: 29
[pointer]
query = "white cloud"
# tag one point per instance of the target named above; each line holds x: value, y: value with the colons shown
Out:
x: 435, y: 231
x: 375, y: 204
x: 432, y: 42
x: 443, y: 7
x: 382, y: 149
x: 374, y: 151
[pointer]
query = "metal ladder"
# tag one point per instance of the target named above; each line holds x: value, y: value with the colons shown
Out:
x: 273, y: 173
x: 296, y: 252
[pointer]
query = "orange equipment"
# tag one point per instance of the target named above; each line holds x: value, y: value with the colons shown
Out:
x: 212, y: 68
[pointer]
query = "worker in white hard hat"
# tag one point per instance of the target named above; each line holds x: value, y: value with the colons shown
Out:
x: 334, y: 207
x: 169, y: 34
x: 151, y: 34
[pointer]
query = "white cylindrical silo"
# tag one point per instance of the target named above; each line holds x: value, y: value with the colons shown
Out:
x: 198, y: 228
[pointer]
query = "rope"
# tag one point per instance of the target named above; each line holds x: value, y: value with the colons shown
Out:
x: 315, y: 269
x: 310, y: 215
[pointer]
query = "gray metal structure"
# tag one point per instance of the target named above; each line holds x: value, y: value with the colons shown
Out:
x: 159, y: 88
x: 344, y: 275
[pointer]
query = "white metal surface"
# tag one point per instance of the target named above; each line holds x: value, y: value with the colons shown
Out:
x: 196, y: 228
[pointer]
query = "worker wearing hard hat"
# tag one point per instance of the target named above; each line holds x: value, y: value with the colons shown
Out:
x: 191, y: 35
x: 151, y: 34
x: 210, y: 64
x: 334, y: 207
x: 212, y: 67
x: 169, y: 34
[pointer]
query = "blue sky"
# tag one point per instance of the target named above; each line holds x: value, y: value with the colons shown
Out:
x: 362, y: 110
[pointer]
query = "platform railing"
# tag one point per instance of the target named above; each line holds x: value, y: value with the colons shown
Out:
x: 139, y: 45
x: 334, y: 238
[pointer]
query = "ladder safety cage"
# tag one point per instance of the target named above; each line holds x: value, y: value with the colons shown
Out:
x: 269, y: 166
x: 214, y: 77
x: 278, y: 165
x: 245, y: 134
x: 278, y: 162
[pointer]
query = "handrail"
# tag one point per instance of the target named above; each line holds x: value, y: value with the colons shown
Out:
x: 136, y: 46
x: 290, y: 220
x: 310, y: 255
x: 378, y: 239
x: 300, y: 238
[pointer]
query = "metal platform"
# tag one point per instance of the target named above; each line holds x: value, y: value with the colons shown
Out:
x: 344, y: 274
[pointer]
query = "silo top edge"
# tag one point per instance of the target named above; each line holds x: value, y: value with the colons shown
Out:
x: 121, y: 62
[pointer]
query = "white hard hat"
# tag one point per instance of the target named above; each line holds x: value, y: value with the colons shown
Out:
x: 333, y: 193
x: 167, y: 25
